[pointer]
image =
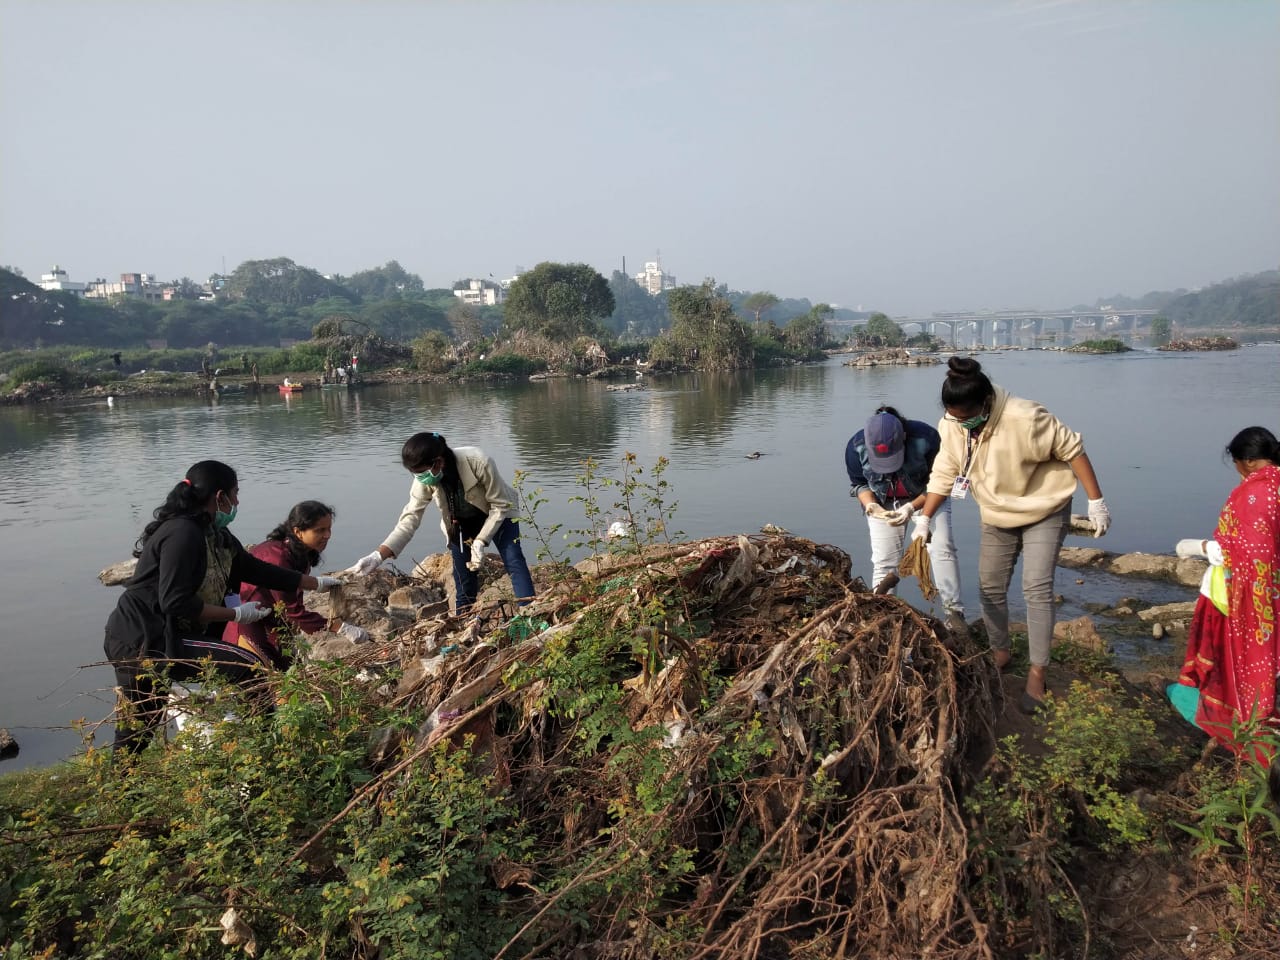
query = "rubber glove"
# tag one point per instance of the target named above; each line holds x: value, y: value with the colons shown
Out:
x: 900, y: 516
x: 477, y: 554
x: 1189, y: 548
x: 877, y: 512
x: 1100, y: 516
x: 365, y: 565
x: 1213, y: 553
x: 251, y: 611
x: 353, y: 633
x: 920, y: 527
x: 327, y: 583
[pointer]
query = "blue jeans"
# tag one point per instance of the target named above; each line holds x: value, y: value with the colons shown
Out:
x: 467, y: 582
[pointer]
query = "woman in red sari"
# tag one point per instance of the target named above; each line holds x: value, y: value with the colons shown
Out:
x: 1233, y: 656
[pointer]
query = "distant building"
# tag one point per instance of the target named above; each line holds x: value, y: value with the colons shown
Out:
x: 482, y: 293
x: 654, y: 280
x: 56, y: 279
x: 143, y: 286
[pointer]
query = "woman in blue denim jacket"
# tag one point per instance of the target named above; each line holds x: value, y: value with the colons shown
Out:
x: 888, y: 464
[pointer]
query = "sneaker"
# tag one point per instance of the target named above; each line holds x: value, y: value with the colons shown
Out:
x: 955, y: 623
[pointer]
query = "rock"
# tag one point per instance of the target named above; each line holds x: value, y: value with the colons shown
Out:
x: 1166, y: 612
x: 1076, y: 557
x: 1157, y: 631
x: 118, y: 573
x: 1154, y: 566
x: 331, y: 646
x: 1082, y: 633
x: 413, y: 598
x: 8, y: 745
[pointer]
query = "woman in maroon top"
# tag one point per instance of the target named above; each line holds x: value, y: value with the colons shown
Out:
x: 295, y: 544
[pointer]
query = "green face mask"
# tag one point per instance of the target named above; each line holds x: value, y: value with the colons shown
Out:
x: 223, y: 520
x: 973, y: 423
x: 428, y: 479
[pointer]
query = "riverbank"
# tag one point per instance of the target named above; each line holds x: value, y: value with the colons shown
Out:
x: 721, y: 747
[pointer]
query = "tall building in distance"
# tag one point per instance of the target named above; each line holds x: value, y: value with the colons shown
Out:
x: 653, y: 280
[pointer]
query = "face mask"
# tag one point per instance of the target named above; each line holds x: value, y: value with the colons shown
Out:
x: 973, y: 423
x: 222, y: 520
x: 428, y: 479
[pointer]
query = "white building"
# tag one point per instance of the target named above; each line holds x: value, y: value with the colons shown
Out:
x: 653, y: 280
x: 56, y: 279
x: 482, y: 293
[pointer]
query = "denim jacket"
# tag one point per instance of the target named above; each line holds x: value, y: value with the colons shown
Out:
x: 921, y: 447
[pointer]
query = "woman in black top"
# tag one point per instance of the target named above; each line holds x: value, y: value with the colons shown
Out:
x: 183, y: 592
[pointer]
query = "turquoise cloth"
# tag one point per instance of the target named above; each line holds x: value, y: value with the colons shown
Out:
x: 1186, y: 700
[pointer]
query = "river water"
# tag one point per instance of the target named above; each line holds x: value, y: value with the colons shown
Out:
x: 78, y: 482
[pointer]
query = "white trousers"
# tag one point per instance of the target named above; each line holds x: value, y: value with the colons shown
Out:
x: 888, y: 543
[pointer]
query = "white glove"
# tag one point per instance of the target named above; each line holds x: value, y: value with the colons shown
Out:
x: 1100, y: 516
x: 900, y: 516
x: 327, y: 583
x: 877, y: 512
x: 1189, y: 548
x: 920, y: 527
x: 365, y: 565
x: 1213, y: 553
x: 353, y: 633
x: 251, y: 611
x: 477, y: 554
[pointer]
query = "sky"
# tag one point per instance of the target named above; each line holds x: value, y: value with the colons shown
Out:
x: 901, y: 156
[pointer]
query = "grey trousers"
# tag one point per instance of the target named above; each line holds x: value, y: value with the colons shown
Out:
x: 1039, y: 544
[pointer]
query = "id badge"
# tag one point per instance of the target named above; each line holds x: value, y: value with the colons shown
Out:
x: 960, y: 488
x: 231, y: 600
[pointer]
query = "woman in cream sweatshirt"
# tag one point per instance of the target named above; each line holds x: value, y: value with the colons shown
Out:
x: 1021, y: 464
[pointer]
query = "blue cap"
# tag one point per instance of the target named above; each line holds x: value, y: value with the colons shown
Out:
x: 886, y: 443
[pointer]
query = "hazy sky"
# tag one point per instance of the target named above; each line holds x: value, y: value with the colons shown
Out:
x: 903, y: 156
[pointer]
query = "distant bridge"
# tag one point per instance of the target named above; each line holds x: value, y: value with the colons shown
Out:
x: 1010, y: 322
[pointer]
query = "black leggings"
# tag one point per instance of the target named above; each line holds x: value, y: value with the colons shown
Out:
x: 144, y: 691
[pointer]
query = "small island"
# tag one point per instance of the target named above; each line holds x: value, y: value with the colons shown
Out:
x: 1110, y: 345
x: 1200, y: 343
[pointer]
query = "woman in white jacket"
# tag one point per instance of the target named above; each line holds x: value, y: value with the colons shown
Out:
x: 477, y: 508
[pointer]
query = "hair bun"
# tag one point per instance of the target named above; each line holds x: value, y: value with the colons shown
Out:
x: 963, y: 368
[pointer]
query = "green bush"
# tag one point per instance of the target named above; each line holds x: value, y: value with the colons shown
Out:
x: 44, y: 371
x: 505, y: 364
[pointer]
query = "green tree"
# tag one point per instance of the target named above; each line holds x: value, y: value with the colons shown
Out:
x: 808, y: 334
x: 465, y: 321
x: 385, y: 283
x: 635, y: 313
x: 281, y: 281
x: 403, y: 319
x: 880, y: 331
x: 431, y: 352
x: 559, y: 301
x: 760, y: 303
x: 1161, y: 328
x: 705, y: 330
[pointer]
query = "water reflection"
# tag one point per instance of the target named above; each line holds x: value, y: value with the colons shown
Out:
x: 561, y: 421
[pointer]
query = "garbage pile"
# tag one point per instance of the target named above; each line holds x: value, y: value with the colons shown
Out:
x: 782, y: 748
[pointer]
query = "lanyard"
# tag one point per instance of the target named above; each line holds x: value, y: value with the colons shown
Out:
x: 970, y: 443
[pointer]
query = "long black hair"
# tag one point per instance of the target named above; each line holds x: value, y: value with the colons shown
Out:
x: 188, y: 497
x: 422, y: 449
x: 1254, y: 443
x: 966, y: 386
x: 303, y: 516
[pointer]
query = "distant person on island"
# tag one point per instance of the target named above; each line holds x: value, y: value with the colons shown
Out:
x: 888, y: 462
x: 183, y: 592
x: 295, y: 544
x: 1233, y: 646
x: 1021, y: 464
x: 477, y: 508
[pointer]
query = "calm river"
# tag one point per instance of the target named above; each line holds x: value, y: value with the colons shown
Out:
x: 79, y: 482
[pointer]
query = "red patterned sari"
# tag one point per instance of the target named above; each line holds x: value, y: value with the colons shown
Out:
x: 1235, y: 659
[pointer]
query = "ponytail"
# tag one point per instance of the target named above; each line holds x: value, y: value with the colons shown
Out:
x: 189, y: 495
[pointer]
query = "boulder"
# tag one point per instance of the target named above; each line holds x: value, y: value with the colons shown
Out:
x: 331, y: 646
x: 1076, y: 557
x: 1167, y: 612
x: 118, y: 573
x: 1082, y: 633
x: 8, y: 745
x: 1153, y: 566
x: 413, y: 598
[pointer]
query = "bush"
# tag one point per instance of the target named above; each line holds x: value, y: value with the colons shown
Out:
x: 41, y: 371
x: 504, y: 364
